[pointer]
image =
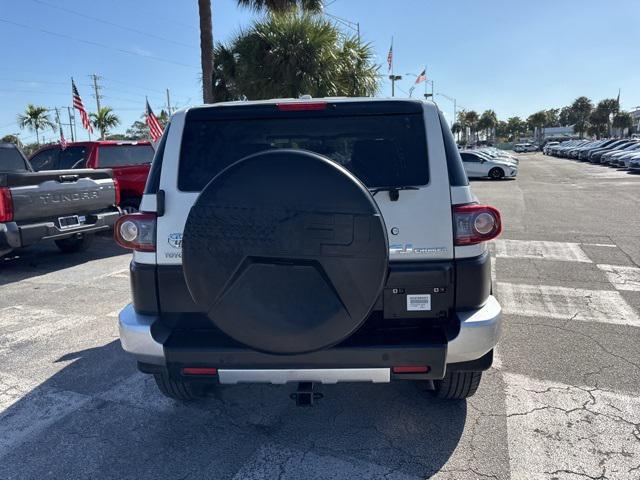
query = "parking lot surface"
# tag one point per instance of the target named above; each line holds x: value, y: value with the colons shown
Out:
x: 562, y: 401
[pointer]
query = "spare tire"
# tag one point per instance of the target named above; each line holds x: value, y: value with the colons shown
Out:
x: 286, y: 251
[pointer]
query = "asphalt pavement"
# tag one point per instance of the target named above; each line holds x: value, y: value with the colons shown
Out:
x: 561, y: 401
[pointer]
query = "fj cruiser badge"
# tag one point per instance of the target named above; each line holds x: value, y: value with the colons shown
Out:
x: 175, y: 240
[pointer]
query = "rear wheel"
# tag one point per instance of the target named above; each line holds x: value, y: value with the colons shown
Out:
x: 496, y: 173
x: 457, y: 385
x: 178, y: 390
x: 78, y: 243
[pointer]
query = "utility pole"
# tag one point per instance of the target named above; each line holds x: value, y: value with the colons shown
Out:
x: 96, y: 89
x: 72, y: 124
x: 168, y: 103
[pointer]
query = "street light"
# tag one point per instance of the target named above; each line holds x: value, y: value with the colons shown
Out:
x: 394, y: 79
x: 451, y: 99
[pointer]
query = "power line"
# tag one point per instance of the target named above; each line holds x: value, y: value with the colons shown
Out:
x: 113, y: 24
x: 97, y: 44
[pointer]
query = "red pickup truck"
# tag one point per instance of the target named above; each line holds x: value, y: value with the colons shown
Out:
x: 130, y: 162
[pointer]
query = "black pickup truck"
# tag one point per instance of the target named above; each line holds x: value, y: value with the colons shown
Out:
x: 61, y: 205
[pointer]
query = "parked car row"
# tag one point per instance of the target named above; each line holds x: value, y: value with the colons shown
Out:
x: 619, y: 153
x: 489, y: 162
x: 525, y: 147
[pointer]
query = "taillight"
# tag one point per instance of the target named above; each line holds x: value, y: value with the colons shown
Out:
x: 297, y: 106
x: 475, y: 224
x: 116, y: 186
x: 137, y: 231
x: 6, y: 205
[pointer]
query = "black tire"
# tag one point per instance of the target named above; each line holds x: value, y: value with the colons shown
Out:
x: 496, y: 173
x: 176, y: 390
x: 130, y: 205
x: 75, y: 244
x: 457, y: 385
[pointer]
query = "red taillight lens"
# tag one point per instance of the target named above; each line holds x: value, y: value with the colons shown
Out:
x: 136, y: 231
x: 410, y: 369
x: 475, y: 224
x: 199, y: 371
x: 297, y: 106
x: 6, y: 205
x: 116, y: 186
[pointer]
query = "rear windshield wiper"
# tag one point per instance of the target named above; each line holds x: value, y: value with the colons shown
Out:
x: 394, y: 192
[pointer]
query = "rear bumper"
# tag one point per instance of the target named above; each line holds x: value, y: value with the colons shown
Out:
x: 145, y: 338
x: 14, y: 236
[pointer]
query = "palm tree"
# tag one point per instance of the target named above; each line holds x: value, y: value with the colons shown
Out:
x: 104, y: 120
x: 456, y: 128
x: 291, y: 54
x: 537, y: 122
x: 488, y: 122
x: 609, y: 107
x: 35, y: 119
x: 581, y: 108
x: 471, y: 119
x: 282, y: 6
x: 206, y: 49
x: 622, y: 120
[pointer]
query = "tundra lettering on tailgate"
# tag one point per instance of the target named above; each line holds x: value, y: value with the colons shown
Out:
x: 50, y: 198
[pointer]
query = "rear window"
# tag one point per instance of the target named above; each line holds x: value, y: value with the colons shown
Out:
x: 72, y: 157
x: 124, y: 155
x: 381, y: 150
x: 11, y: 160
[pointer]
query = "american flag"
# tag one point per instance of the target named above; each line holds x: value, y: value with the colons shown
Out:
x: 390, y: 56
x: 77, y: 104
x: 155, y: 129
x: 63, y: 141
x: 422, y: 77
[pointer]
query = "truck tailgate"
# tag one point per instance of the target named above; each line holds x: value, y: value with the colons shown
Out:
x: 56, y: 193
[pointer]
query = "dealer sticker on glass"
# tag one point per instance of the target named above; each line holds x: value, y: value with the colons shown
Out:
x: 418, y: 302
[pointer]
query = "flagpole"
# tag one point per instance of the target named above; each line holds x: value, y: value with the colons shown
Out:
x: 425, y: 81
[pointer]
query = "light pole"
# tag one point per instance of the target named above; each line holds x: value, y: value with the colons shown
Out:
x: 451, y: 99
x: 394, y: 79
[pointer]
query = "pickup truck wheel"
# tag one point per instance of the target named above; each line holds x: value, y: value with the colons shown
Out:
x: 496, y: 173
x: 457, y: 385
x: 78, y: 243
x: 182, y: 391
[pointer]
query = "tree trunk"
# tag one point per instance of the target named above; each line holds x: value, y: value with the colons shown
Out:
x: 206, y: 49
x: 37, y: 137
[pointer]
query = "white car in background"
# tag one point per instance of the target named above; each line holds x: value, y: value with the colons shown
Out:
x: 525, y: 147
x: 477, y: 164
x: 548, y: 145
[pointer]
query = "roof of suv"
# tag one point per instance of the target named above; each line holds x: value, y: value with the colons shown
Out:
x: 276, y: 101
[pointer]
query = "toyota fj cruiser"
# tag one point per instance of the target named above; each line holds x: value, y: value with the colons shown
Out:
x: 310, y: 241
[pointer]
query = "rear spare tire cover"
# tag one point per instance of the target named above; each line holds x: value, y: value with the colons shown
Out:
x: 286, y: 251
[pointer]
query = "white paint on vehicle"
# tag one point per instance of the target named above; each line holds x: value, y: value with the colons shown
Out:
x: 562, y: 251
x: 622, y: 277
x: 564, y: 303
x: 564, y: 432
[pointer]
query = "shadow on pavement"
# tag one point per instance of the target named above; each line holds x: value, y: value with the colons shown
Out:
x: 99, y: 418
x: 45, y: 258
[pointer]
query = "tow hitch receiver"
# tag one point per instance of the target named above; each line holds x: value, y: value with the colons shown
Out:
x: 304, y: 395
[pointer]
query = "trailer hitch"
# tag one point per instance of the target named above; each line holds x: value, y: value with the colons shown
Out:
x: 304, y: 395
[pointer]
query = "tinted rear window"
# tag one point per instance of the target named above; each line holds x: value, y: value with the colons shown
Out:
x: 381, y: 150
x: 11, y: 160
x: 123, y: 155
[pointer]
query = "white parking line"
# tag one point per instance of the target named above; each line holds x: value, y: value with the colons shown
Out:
x: 563, y: 251
x: 22, y: 324
x: 622, y: 278
x: 565, y: 432
x: 606, y: 306
x: 26, y: 409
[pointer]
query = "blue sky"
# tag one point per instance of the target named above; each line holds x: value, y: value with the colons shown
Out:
x: 513, y: 56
